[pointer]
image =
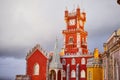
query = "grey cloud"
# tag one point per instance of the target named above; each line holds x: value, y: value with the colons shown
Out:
x: 20, y: 50
x: 13, y: 52
x: 25, y: 23
x: 99, y: 36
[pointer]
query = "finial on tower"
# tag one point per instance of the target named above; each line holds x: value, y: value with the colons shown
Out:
x: 56, y: 43
x: 96, y: 53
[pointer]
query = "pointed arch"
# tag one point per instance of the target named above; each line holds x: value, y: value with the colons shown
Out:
x: 73, y: 61
x: 36, y: 69
x: 52, y: 75
x: 73, y: 74
x: 83, y: 74
x: 83, y: 61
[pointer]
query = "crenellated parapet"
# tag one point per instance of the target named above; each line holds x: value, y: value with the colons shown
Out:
x: 77, y: 14
x: 37, y: 46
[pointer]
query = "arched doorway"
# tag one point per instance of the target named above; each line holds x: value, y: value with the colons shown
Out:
x: 52, y: 75
x: 59, y: 75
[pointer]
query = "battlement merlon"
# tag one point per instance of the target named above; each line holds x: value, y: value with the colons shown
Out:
x: 73, y: 14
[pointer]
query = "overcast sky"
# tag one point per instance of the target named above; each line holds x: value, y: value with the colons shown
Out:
x: 25, y: 23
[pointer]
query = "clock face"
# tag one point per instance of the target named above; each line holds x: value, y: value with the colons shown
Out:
x: 72, y: 22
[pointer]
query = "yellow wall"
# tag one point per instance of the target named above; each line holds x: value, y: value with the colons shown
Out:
x: 90, y: 73
x: 96, y: 73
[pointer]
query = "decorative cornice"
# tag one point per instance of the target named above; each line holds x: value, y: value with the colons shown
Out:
x: 76, y: 55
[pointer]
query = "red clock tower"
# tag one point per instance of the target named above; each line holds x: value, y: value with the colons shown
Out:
x: 75, y: 55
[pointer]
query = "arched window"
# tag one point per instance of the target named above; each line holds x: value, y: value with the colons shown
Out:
x: 83, y: 61
x: 63, y: 61
x: 36, y: 69
x: 73, y: 73
x: 52, y: 75
x: 82, y: 74
x: 71, y: 40
x: 73, y: 61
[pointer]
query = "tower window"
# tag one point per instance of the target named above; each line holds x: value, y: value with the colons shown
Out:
x: 73, y: 73
x: 71, y: 40
x: 36, y: 69
x: 73, y: 61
